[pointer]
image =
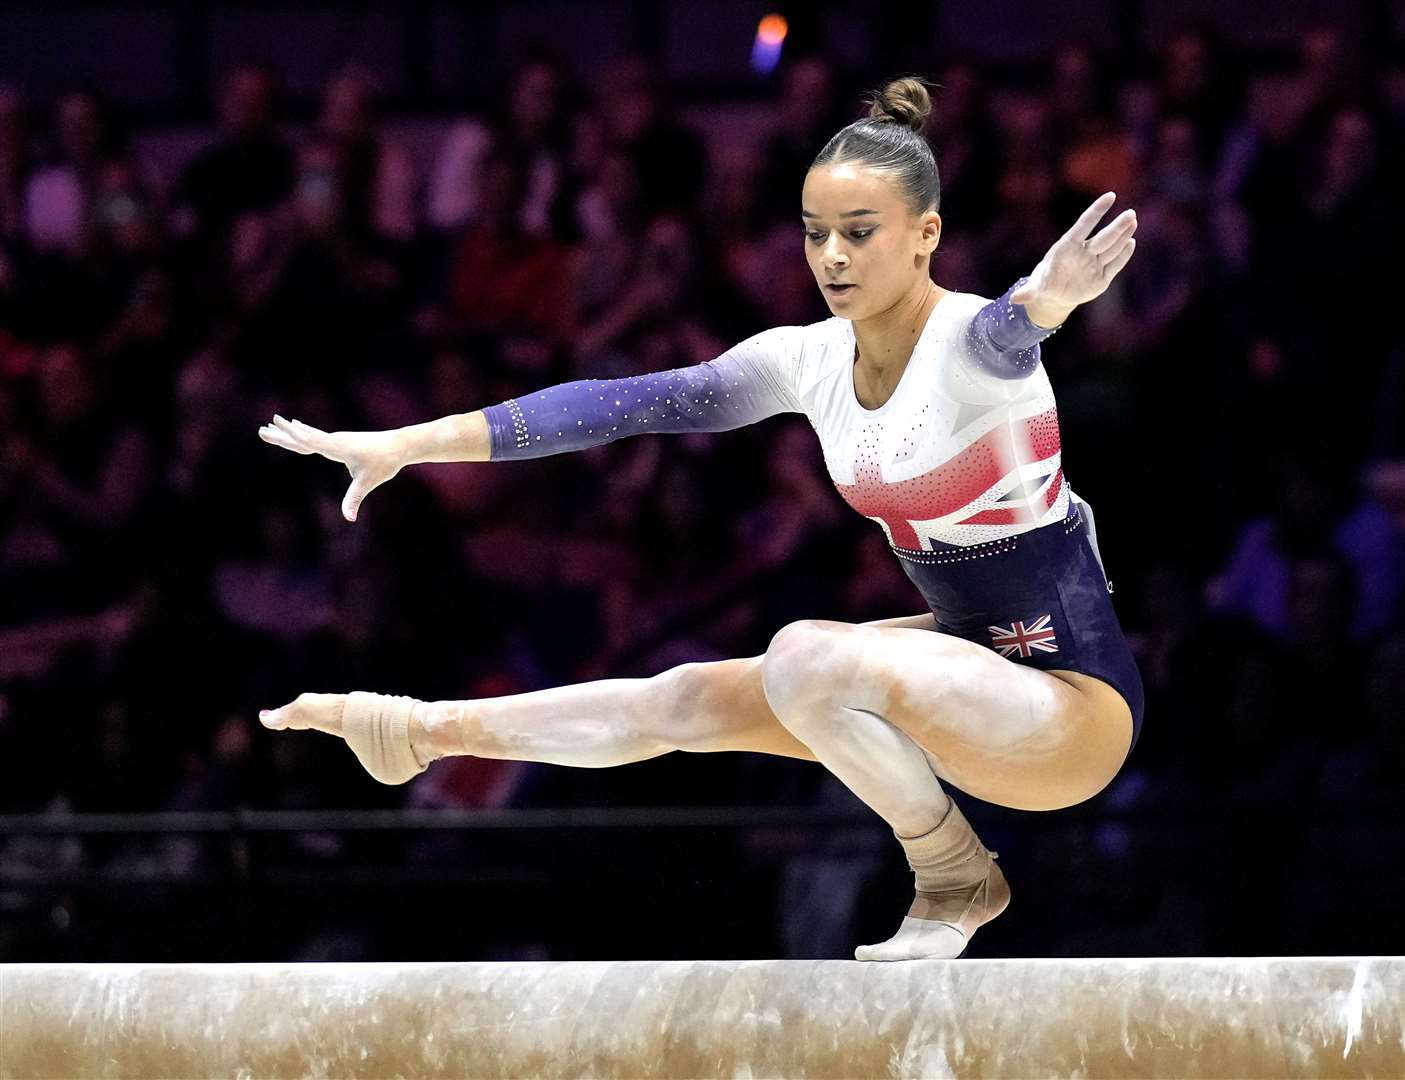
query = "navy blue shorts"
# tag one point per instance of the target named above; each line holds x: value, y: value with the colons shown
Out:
x: 1038, y: 598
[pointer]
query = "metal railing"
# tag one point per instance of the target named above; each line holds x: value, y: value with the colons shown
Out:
x: 633, y: 817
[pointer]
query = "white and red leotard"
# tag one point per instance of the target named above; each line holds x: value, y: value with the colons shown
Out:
x: 964, y: 452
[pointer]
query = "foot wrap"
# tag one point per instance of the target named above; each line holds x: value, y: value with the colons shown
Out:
x: 959, y: 888
x: 377, y: 728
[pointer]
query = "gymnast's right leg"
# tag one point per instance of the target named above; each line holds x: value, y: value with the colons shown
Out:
x: 700, y: 707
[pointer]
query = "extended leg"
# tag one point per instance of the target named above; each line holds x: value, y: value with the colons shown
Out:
x: 706, y: 706
x: 699, y: 707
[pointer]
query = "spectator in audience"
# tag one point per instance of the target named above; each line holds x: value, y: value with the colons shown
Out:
x: 964, y: 141
x: 128, y: 272
x: 1098, y: 154
x: 1195, y: 79
x: 599, y: 212
x: 1080, y: 93
x: 1317, y: 505
x: 504, y: 280
x: 1369, y: 770
x: 808, y: 109
x: 1173, y: 648
x: 753, y: 252
x: 375, y: 175
x: 312, y: 295
x: 659, y: 321
x: 58, y: 196
x: 249, y: 167
x: 667, y: 156
x: 1329, y: 664
x: 1346, y: 223
x: 1352, y: 844
x: 1025, y: 224
x: 85, y: 472
x: 530, y: 129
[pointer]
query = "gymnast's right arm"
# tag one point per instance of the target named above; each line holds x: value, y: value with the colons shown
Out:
x: 747, y: 383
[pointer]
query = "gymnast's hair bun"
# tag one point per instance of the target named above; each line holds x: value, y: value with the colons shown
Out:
x: 903, y: 101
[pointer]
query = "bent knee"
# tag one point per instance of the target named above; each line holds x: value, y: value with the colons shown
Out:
x: 791, y: 665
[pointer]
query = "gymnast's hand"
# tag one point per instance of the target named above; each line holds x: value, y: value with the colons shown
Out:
x: 1077, y: 269
x: 372, y: 457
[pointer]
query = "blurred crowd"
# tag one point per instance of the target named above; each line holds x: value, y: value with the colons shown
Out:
x: 1232, y: 408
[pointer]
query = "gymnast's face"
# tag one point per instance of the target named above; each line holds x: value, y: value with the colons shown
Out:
x: 861, y: 231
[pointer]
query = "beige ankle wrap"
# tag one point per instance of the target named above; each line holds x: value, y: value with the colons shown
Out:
x: 947, y: 856
x: 959, y: 889
x: 377, y: 728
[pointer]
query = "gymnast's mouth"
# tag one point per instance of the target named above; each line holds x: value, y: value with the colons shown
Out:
x: 840, y: 290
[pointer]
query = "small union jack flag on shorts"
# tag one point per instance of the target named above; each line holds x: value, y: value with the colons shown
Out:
x: 1022, y: 638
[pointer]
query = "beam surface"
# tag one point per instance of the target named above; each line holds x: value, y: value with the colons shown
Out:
x: 1214, y: 1017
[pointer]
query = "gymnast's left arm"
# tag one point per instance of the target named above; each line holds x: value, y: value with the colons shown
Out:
x: 1003, y: 338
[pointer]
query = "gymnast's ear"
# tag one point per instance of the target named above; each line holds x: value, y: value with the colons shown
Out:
x: 929, y: 232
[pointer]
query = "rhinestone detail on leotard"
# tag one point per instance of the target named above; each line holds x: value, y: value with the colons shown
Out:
x: 964, y: 554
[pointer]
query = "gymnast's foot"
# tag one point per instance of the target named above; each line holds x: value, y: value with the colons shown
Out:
x: 939, y: 925
x: 307, y: 712
x: 959, y: 888
x: 381, y: 729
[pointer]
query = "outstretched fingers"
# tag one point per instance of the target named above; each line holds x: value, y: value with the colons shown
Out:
x: 1089, y: 218
x: 1111, y: 269
x: 1118, y: 229
x: 270, y: 434
x: 294, y: 435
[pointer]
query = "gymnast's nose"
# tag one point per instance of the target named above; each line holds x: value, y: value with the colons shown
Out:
x: 835, y: 258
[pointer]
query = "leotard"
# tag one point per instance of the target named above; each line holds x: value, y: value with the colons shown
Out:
x: 962, y: 459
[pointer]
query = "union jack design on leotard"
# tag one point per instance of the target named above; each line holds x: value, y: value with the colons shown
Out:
x: 1024, y: 638
x: 963, y: 453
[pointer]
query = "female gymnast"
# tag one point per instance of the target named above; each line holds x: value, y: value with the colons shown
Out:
x: 936, y: 420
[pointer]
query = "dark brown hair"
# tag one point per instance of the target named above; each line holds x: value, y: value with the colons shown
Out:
x: 890, y: 138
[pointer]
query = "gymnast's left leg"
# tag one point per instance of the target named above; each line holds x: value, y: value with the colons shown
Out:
x: 890, y: 710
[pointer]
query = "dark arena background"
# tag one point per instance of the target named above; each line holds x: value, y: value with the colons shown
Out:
x: 373, y: 215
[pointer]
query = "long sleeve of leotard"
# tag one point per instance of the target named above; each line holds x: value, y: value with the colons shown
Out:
x: 996, y: 348
x: 1001, y: 340
x: 749, y: 382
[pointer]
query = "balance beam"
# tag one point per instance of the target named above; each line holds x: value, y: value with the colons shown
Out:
x: 1219, y: 1017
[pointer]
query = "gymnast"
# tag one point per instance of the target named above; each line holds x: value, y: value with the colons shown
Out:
x: 936, y: 420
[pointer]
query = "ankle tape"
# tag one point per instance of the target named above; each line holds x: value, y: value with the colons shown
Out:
x: 377, y: 728
x: 946, y: 855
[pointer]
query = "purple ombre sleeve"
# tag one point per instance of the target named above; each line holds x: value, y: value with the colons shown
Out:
x: 747, y: 383
x: 1001, y: 340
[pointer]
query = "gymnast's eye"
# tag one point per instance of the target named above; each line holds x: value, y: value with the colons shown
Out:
x: 857, y: 233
